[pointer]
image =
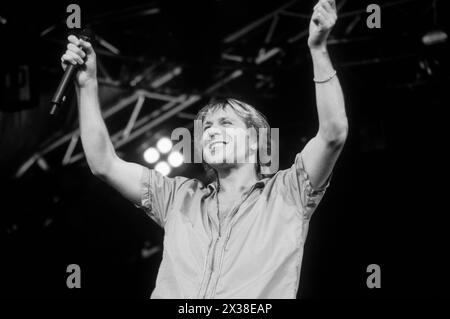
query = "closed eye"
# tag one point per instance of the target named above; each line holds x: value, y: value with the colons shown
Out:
x: 223, y: 122
x: 206, y: 126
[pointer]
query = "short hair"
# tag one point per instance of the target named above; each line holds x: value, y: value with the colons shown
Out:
x: 252, y: 118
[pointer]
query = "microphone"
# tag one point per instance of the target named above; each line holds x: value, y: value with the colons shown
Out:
x: 59, y: 96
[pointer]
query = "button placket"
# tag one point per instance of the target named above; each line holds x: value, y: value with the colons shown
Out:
x: 214, y: 236
x: 214, y: 273
x: 218, y: 270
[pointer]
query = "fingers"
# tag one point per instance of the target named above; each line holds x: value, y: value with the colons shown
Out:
x: 67, y: 59
x: 328, y: 18
x: 77, y: 51
x: 332, y: 4
x: 84, y: 45
x: 328, y: 5
x: 73, y: 39
x: 321, y: 19
x: 72, y: 58
x: 328, y: 8
x: 325, y: 13
x: 73, y: 48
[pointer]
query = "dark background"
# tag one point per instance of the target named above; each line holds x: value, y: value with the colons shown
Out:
x: 386, y: 204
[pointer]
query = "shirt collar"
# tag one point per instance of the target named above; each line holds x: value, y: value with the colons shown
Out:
x: 259, y: 184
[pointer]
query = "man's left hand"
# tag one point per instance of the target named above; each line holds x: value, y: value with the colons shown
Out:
x: 322, y: 21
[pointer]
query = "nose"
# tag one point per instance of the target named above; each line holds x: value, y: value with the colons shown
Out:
x: 213, y: 131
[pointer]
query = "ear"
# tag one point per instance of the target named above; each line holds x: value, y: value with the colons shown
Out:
x: 253, y: 139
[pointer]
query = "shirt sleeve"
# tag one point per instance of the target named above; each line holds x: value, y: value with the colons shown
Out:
x: 158, y: 193
x: 295, y: 182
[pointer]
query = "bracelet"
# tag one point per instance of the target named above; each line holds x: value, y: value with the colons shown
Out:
x: 327, y: 79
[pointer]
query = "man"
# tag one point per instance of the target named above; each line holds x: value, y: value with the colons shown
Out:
x: 241, y: 236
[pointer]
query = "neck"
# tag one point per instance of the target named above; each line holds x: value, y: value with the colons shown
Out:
x: 237, y: 179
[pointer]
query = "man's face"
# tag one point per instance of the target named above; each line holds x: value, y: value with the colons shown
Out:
x: 226, y: 139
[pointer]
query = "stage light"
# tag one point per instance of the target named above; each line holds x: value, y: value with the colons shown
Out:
x: 175, y: 159
x: 164, y: 145
x: 151, y: 155
x: 434, y: 37
x: 163, y: 168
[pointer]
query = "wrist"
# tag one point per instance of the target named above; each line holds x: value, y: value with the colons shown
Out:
x: 318, y: 50
x: 88, y: 88
x: 89, y: 84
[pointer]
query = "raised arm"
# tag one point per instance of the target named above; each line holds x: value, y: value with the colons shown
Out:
x: 99, y: 151
x: 322, y: 151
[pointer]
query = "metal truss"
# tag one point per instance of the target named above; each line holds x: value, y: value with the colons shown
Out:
x: 235, y: 52
x: 136, y: 124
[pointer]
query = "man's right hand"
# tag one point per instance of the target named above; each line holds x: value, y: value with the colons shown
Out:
x: 80, y: 52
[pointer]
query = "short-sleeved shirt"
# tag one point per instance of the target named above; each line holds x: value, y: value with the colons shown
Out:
x: 258, y: 251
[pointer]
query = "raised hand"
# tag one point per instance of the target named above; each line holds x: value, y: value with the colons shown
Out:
x: 322, y: 21
x: 80, y: 52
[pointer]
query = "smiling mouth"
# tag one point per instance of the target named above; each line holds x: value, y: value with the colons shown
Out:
x: 212, y: 144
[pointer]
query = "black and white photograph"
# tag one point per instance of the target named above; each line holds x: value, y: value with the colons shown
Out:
x: 240, y: 151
